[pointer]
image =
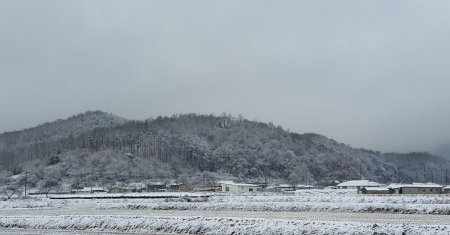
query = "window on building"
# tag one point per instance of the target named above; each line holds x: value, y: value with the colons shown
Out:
x: 227, y: 189
x: 250, y: 190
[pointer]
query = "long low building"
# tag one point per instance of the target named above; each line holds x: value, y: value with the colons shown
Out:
x: 229, y: 186
x: 416, y: 188
x: 87, y: 190
x: 290, y: 187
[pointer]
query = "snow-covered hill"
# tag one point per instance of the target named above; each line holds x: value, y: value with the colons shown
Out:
x: 101, y: 148
x: 61, y: 128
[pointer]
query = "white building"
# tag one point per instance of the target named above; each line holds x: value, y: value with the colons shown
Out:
x: 230, y: 186
x: 358, y: 184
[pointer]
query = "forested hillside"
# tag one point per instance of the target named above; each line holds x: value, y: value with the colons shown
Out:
x: 73, y: 126
x: 102, y: 149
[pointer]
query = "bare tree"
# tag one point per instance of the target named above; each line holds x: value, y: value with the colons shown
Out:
x: 49, y: 185
x: 10, y: 190
x: 9, y: 187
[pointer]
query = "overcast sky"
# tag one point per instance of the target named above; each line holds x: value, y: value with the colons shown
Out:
x: 373, y: 74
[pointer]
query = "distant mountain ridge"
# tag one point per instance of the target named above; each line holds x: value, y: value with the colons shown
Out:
x: 100, y: 147
x: 62, y: 128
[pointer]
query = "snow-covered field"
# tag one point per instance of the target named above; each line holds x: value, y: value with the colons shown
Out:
x: 213, y: 225
x: 309, y: 211
x: 334, y: 201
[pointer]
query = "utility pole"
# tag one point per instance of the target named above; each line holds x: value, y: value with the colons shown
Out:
x: 360, y: 172
x: 432, y: 176
x: 26, y: 181
x: 446, y: 176
x: 424, y: 172
x: 13, y: 168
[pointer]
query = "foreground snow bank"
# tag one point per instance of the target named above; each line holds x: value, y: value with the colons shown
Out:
x: 203, y: 225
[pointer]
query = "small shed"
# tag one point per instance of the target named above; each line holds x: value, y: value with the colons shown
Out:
x: 302, y: 186
x: 447, y: 189
x: 178, y: 187
x: 156, y: 186
x: 358, y: 184
x: 285, y: 188
x: 375, y: 190
x: 118, y: 189
x: 136, y: 187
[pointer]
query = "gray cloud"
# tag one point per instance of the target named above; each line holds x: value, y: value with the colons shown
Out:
x: 371, y: 74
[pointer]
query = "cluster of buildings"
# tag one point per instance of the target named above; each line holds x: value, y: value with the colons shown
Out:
x: 230, y: 186
x: 370, y: 187
x: 361, y: 186
x: 136, y: 188
x: 222, y: 186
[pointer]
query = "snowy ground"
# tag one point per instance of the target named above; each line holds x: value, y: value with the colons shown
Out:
x: 309, y: 212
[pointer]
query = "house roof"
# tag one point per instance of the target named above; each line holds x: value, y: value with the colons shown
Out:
x: 415, y: 185
x: 88, y: 189
x: 361, y: 183
x: 376, y: 188
x: 330, y: 187
x: 246, y: 185
x: 238, y: 184
x: 225, y: 182
x: 285, y: 186
x: 291, y: 186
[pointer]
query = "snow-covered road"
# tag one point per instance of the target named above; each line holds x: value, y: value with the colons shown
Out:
x: 313, y: 216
